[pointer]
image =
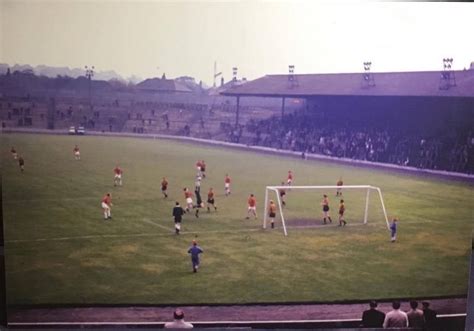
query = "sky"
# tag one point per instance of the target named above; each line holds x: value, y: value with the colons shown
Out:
x: 147, y: 38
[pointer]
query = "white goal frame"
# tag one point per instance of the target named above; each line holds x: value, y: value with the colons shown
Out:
x: 276, y: 189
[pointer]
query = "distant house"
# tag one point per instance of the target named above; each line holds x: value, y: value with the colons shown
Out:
x: 157, y: 85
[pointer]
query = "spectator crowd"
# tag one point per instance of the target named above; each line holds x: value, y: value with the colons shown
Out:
x: 451, y: 150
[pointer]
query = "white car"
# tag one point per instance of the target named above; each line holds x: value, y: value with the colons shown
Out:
x: 72, y: 130
x: 81, y: 130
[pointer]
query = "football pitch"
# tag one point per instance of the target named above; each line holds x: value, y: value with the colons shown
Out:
x: 59, y: 250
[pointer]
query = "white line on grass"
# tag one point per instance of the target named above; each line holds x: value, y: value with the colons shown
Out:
x: 148, y: 221
x: 211, y: 322
x: 127, y: 235
x: 171, y: 232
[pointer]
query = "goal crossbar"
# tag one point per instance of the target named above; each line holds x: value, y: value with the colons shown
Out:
x: 277, y: 188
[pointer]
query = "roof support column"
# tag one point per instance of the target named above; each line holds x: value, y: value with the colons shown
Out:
x: 237, y: 112
x: 282, y: 107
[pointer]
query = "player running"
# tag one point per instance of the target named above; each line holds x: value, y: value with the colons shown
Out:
x: 164, y: 187
x: 77, y: 153
x: 339, y: 190
x: 14, y: 154
x: 282, y: 193
x: 210, y: 200
x: 252, y: 206
x: 227, y: 181
x: 178, y: 213
x: 199, y: 203
x: 289, y: 179
x: 118, y: 176
x: 195, y: 250
x: 197, y: 184
x: 393, y: 230
x: 21, y: 163
x: 342, y: 209
x: 325, y: 204
x: 272, y: 213
x: 189, y: 199
x: 106, y: 206
x: 203, y: 169
x: 199, y: 167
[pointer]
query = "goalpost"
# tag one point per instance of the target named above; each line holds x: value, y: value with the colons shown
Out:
x: 276, y: 189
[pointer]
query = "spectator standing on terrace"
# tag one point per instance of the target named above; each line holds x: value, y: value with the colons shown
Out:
x: 178, y: 322
x: 77, y: 153
x: 118, y: 176
x: 430, y: 316
x: 164, y: 187
x: 325, y: 204
x: 178, y: 213
x: 396, y: 318
x: 227, y: 181
x: 195, y: 250
x: 14, y: 154
x: 415, y: 316
x: 373, y: 318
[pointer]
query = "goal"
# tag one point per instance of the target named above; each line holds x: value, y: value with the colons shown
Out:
x: 275, y: 190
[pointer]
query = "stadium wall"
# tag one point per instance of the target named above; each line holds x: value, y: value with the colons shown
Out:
x: 261, y: 149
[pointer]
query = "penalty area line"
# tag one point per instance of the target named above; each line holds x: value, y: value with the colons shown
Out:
x: 171, y: 233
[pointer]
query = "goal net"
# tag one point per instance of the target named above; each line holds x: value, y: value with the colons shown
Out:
x: 307, y: 207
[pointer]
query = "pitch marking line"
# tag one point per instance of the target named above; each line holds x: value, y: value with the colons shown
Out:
x: 214, y: 322
x: 170, y: 229
x: 171, y: 233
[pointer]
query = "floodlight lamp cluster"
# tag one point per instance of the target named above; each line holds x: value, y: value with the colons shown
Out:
x: 447, y: 63
x: 367, y: 66
x: 89, y: 71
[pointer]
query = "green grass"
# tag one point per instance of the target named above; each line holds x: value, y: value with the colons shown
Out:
x: 60, y: 251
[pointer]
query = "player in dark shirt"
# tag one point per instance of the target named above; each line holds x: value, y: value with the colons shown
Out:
x: 21, y: 163
x: 195, y: 250
x: 178, y: 213
x: 342, y: 209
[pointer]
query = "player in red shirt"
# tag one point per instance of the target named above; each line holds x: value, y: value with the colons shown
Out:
x: 210, y: 200
x: 252, y: 206
x: 188, y: 195
x: 289, y: 180
x: 227, y: 184
x: 164, y: 187
x: 118, y: 176
x: 199, y: 166
x: 106, y: 206
x: 77, y: 153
